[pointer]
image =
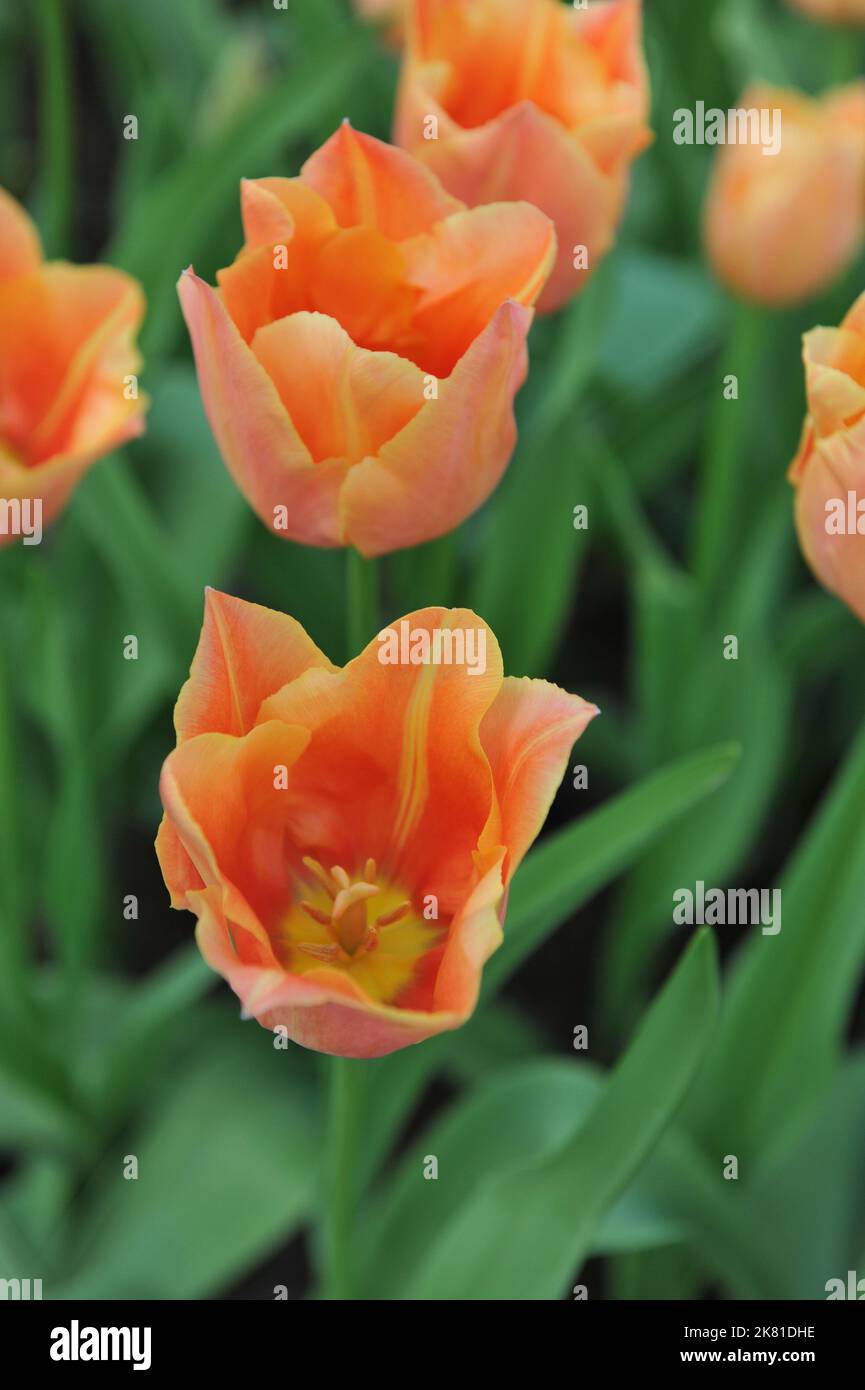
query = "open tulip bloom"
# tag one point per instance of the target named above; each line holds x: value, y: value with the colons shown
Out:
x: 359, y: 361
x: 67, y: 366
x: 346, y: 837
x: 530, y: 99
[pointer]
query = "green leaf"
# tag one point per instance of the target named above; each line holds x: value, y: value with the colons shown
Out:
x: 525, y: 1232
x: 748, y: 700
x: 523, y: 1114
x: 789, y: 997
x: 809, y: 1199
x: 684, y: 307
x: 33, y: 1118
x: 148, y: 1021
x: 227, y: 1162
x: 571, y: 865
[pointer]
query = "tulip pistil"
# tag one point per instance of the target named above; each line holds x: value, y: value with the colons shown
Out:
x: 352, y: 934
x: 362, y: 924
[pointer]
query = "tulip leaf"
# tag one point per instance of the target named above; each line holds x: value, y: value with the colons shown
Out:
x: 790, y: 994
x: 572, y: 864
x: 684, y: 307
x: 12, y: 890
x: 524, y: 1232
x: 814, y: 1241
x: 747, y: 699
x: 227, y: 1162
x: 524, y: 1114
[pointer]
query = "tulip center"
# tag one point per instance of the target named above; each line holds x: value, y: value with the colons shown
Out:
x: 361, y: 926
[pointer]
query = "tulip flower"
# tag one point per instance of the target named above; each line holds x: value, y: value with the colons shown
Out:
x: 346, y: 837
x: 530, y: 99
x: 68, y: 364
x: 781, y: 227
x: 359, y: 362
x: 833, y: 11
x: 828, y: 472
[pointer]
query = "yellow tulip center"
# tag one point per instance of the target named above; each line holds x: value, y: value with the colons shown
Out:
x: 368, y: 929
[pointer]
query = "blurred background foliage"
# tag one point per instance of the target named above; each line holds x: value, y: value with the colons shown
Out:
x: 114, y: 1037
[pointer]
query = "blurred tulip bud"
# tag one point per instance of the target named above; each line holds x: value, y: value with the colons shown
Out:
x: 779, y: 227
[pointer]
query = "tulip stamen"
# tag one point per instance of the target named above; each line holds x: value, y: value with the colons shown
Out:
x: 316, y: 913
x: 339, y: 874
x: 387, y: 919
x: 352, y: 930
x: 356, y: 893
x: 320, y: 872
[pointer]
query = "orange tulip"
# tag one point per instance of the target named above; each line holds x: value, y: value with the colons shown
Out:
x: 530, y: 99
x: 359, y: 364
x: 828, y: 473
x: 66, y: 358
x: 779, y: 228
x: 346, y: 837
x: 833, y: 11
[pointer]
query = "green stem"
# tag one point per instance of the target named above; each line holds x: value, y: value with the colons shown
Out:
x: 721, y: 510
x: 343, y: 1111
x: 361, y: 601
x: 55, y: 125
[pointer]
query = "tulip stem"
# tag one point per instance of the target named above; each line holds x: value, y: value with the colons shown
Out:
x: 343, y: 1111
x: 361, y: 606
x: 55, y: 125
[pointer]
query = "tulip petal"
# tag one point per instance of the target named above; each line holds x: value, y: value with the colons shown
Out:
x: 285, y: 225
x: 525, y: 154
x: 448, y: 459
x: 468, y: 267
x: 180, y: 874
x: 414, y: 790
x: 245, y: 653
x: 261, y: 447
x: 527, y: 735
x: 831, y: 469
x: 347, y: 402
x: 368, y: 182
x: 835, y: 377
x: 276, y: 211
x: 240, y: 840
